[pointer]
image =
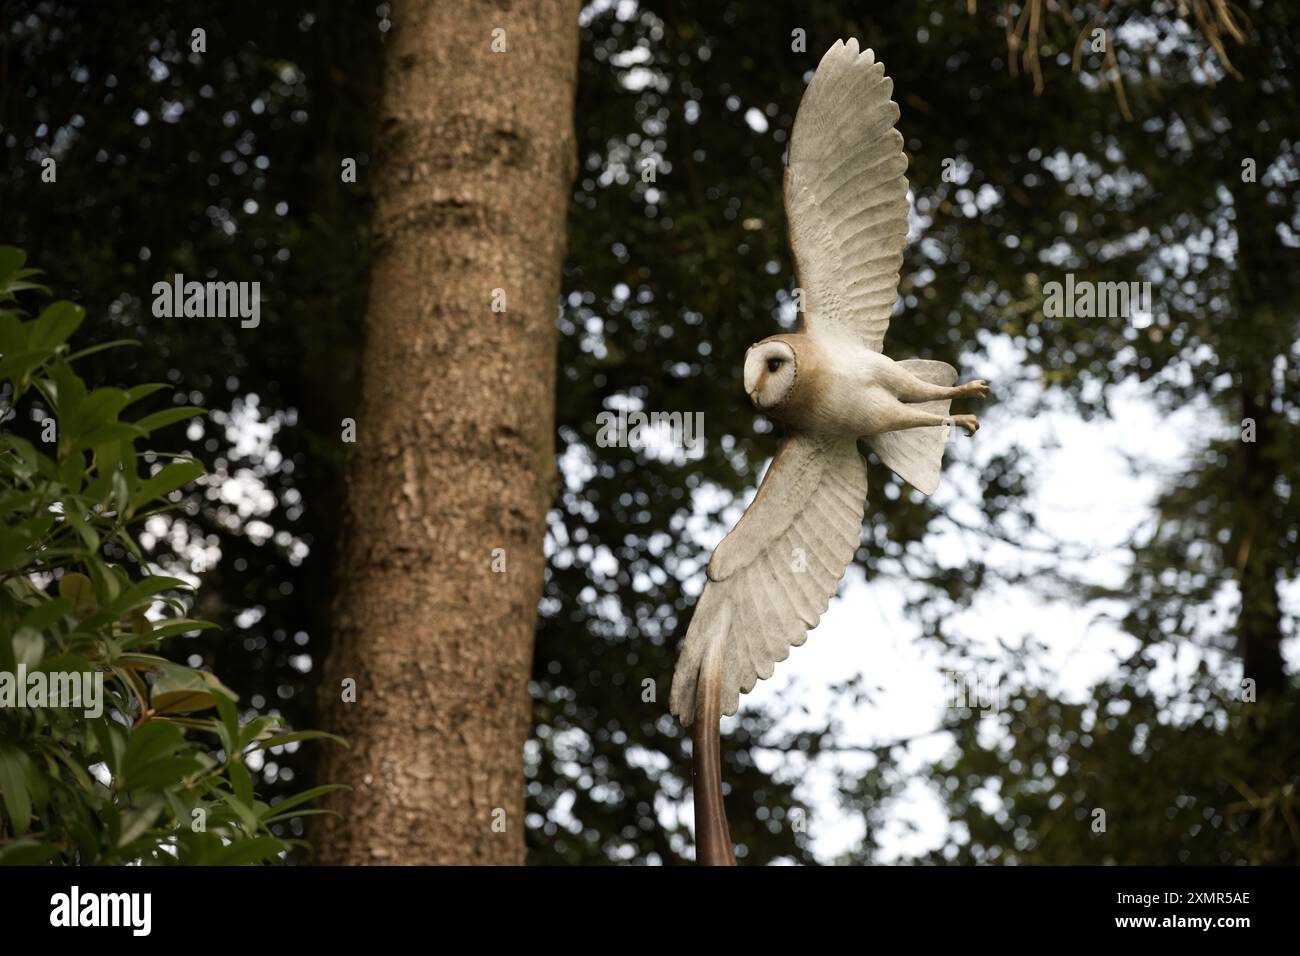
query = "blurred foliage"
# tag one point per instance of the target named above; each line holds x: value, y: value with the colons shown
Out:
x: 226, y: 164
x: 116, y: 775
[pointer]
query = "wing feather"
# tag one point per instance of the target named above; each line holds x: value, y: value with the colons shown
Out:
x: 759, y: 598
x: 782, y: 593
x: 846, y: 196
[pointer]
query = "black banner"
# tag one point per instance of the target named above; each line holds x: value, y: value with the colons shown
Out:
x: 178, y: 905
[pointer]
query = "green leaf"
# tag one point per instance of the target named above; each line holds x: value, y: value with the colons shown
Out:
x: 72, y: 513
x: 242, y: 783
x: 15, y: 768
x: 259, y: 728
x: 103, y: 346
x: 247, y: 816
x: 167, y: 480
x: 138, y: 392
x: 64, y: 388
x: 168, y: 416
x: 244, y: 852
x: 180, y: 690
x: 151, y: 741
x: 45, y: 614
x: 121, y: 493
x: 53, y: 326
x: 140, y: 594
x: 79, y: 592
x: 102, y: 434
x: 157, y: 631
x: 298, y: 799
x: 165, y: 773
x: 229, y: 724
x: 100, y: 407
x: 156, y: 757
x: 11, y: 260
x: 129, y: 543
x: 13, y: 334
x: 27, y: 852
x: 15, y: 366
x: 18, y: 285
x: 137, y: 820
x: 72, y: 467
x: 111, y: 738
x: 300, y: 735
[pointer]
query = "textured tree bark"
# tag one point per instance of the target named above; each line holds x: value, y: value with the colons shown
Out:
x: 454, y: 455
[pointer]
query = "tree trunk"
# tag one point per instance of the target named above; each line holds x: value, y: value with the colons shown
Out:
x: 454, y: 454
x: 1255, y: 340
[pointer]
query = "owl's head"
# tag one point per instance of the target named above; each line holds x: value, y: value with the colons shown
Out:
x: 769, y: 373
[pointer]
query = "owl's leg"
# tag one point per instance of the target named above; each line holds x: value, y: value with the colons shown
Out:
x: 909, y: 416
x: 908, y: 388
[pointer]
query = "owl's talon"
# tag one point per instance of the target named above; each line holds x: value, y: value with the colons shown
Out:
x: 968, y: 422
x: 977, y: 389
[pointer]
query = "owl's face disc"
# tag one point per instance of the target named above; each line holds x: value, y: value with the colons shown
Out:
x: 769, y: 373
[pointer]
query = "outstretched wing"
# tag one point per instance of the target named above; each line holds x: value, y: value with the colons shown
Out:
x: 846, y: 196
x: 771, y: 578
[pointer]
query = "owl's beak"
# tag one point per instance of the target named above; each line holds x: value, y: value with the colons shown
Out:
x: 753, y: 397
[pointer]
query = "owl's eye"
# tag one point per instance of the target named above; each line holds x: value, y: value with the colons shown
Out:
x: 773, y: 364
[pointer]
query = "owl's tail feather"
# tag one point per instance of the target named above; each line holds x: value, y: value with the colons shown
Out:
x: 712, y: 836
x: 916, y: 454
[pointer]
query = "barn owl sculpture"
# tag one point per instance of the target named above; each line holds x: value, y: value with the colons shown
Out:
x: 830, y: 384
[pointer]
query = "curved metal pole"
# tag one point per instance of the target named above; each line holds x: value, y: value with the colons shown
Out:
x: 712, y: 838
